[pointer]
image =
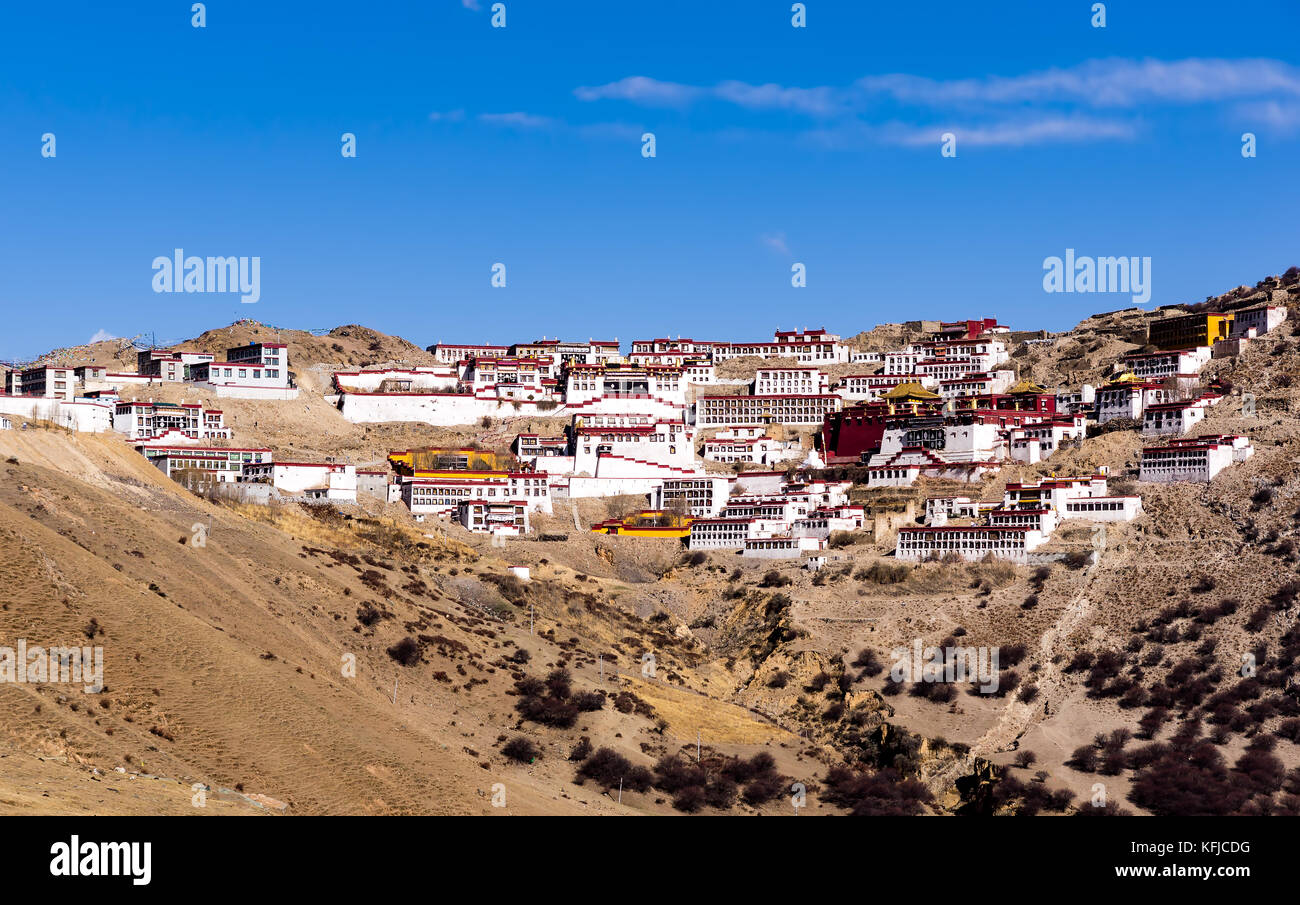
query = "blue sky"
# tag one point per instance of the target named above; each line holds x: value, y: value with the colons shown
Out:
x: 522, y: 145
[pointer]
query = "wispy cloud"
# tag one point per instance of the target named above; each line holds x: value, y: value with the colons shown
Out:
x: 1015, y: 132
x: 517, y: 120
x: 101, y: 335
x: 471, y: 4
x: 1050, y: 105
x: 1281, y: 116
x: 776, y: 242
x: 1099, y: 83
x: 1095, y: 83
x: 446, y: 116
x: 641, y: 90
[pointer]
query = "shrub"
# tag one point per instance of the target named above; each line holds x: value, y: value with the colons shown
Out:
x: 774, y: 579
x: 607, y: 768
x: 720, y: 793
x: 779, y: 679
x: 588, y: 701
x: 405, y: 652
x: 763, y: 788
x: 1084, y: 759
x: 882, y: 794
x: 867, y: 661
x: 521, y: 749
x: 690, y: 799
x: 840, y: 539
x: 884, y: 573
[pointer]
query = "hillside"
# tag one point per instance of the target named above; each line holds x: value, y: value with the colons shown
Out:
x: 223, y: 663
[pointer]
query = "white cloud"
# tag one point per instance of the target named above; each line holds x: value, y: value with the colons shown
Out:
x: 446, y: 116
x: 1099, y: 83
x: 1278, y: 115
x: 1093, y: 83
x: 776, y: 242
x: 642, y: 90
x: 1018, y: 132
x: 517, y: 120
x: 811, y: 101
x: 471, y: 4
x: 100, y: 336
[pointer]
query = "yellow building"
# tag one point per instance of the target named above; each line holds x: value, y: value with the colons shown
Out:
x: 436, y: 461
x: 1189, y: 330
x: 647, y: 523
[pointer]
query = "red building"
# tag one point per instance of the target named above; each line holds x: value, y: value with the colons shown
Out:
x: 969, y: 329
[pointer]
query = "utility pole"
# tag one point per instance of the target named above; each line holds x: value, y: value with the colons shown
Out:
x: 620, y: 790
x: 697, y: 746
x: 394, y: 689
x: 530, y: 620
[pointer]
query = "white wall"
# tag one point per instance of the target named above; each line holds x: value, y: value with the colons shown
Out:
x: 87, y: 417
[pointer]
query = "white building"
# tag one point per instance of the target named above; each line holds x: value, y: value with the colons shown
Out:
x: 1075, y: 497
x: 443, y: 494
x: 1159, y: 365
x: 758, y: 450
x: 1103, y: 508
x: 939, y: 509
x: 782, y: 546
x: 1256, y: 321
x: 452, y: 353
x: 143, y: 420
x: 44, y: 381
x: 1176, y: 417
x: 730, y: 411
x: 790, y: 381
x: 971, y: 543
x: 656, y: 447
x: 82, y: 415
x: 977, y: 383
x: 254, y: 371
x: 226, y: 465
x: 809, y: 346
x: 1035, y: 442
x: 400, y: 380
x: 694, y: 347
x: 659, y: 392
x: 505, y: 518
x: 870, y: 387
x: 167, y: 365
x: 590, y: 352
x: 1080, y: 401
x: 825, y: 522
x: 507, y: 378
x: 314, y: 480
x: 700, y: 495
x: 903, y: 468
x: 1193, y: 458
x: 721, y: 533
x: 1129, y: 399
x: 531, y: 447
